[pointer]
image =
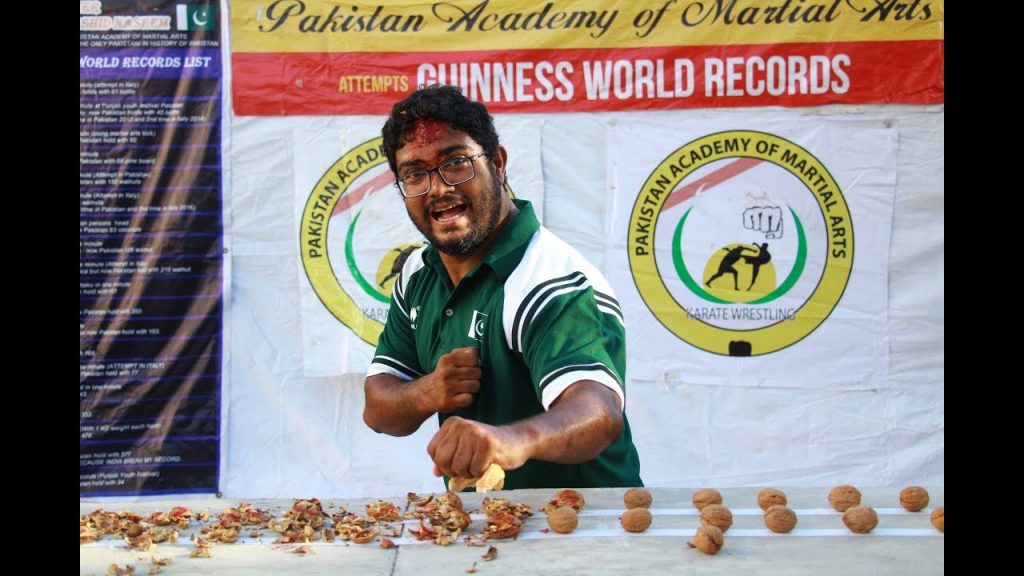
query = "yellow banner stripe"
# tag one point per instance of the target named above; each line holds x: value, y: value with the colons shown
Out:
x: 388, y: 26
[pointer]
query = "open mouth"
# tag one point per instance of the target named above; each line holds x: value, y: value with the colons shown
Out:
x: 448, y: 212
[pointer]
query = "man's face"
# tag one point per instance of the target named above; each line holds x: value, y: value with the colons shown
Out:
x: 455, y: 219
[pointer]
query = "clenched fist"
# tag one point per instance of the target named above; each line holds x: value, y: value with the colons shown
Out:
x: 454, y: 382
x: 465, y: 448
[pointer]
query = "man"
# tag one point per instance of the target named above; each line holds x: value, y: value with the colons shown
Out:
x: 499, y: 327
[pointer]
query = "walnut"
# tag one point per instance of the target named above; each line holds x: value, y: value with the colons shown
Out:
x: 860, y: 519
x: 365, y: 536
x: 769, y: 497
x: 717, y: 515
x: 913, y: 498
x: 843, y: 496
x: 418, y: 500
x: 563, y: 520
x: 637, y: 498
x: 383, y: 511
x: 519, y: 510
x: 703, y: 497
x: 502, y: 525
x: 779, y: 519
x: 567, y: 497
x: 636, y: 519
x: 451, y: 499
x: 939, y: 519
x: 708, y: 539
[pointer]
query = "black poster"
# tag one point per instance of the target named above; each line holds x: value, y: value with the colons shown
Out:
x: 151, y: 257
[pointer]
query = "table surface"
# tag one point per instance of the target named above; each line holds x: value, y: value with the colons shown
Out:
x: 903, y: 542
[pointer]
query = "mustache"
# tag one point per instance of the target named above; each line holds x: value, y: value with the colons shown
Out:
x: 447, y: 198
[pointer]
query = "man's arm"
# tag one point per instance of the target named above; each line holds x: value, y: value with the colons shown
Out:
x: 398, y: 407
x: 584, y: 420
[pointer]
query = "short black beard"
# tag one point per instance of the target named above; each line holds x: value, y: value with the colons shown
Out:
x: 476, y: 236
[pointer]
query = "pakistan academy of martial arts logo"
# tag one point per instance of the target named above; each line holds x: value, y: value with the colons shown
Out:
x: 741, y: 243
x: 355, y: 237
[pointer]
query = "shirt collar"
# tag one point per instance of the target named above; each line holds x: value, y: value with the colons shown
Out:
x: 507, y: 250
x: 511, y: 243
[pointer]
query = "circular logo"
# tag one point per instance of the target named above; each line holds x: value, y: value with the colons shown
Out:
x: 355, y: 284
x: 741, y: 243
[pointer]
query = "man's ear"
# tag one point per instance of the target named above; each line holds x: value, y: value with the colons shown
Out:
x: 500, y: 161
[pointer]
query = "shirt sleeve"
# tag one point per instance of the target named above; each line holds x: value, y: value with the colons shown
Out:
x: 576, y: 335
x: 396, y: 347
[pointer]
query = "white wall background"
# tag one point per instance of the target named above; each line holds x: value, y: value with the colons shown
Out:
x: 291, y: 436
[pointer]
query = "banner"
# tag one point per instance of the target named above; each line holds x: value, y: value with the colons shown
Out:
x: 754, y: 247
x: 151, y: 264
x: 304, y: 57
x: 354, y: 233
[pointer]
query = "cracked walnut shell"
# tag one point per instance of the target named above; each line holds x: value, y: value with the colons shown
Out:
x: 769, y: 497
x: 705, y: 496
x: 860, y: 519
x: 563, y: 520
x: 636, y: 519
x: 779, y: 519
x: 708, y: 539
x: 493, y: 478
x: 637, y: 498
x: 563, y: 498
x: 913, y: 498
x: 843, y: 496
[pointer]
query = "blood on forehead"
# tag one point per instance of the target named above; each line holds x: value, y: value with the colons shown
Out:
x: 425, y: 131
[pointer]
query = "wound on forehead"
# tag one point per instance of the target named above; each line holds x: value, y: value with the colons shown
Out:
x: 424, y: 131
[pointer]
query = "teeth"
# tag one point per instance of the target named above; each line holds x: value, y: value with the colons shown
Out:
x: 441, y: 218
x: 439, y: 213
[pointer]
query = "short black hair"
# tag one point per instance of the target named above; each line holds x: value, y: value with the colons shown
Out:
x: 444, y: 103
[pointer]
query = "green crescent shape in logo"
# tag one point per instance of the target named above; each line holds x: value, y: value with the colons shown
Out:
x: 350, y: 259
x: 684, y: 274
x: 695, y: 287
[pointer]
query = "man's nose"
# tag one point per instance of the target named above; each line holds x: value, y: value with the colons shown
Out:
x: 437, y: 184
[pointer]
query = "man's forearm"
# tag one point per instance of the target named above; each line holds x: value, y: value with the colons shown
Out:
x: 392, y: 405
x: 583, y: 421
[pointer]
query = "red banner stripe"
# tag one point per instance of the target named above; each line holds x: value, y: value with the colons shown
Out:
x: 589, y: 80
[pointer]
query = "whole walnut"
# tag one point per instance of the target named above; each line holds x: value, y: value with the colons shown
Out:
x: 717, y: 515
x: 705, y: 496
x: 860, y: 519
x: 636, y: 519
x: 708, y: 539
x: 939, y: 519
x: 779, y: 519
x: 769, y: 497
x: 563, y: 520
x: 843, y: 496
x: 913, y: 498
x: 637, y: 498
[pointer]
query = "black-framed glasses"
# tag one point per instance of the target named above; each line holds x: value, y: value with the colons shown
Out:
x: 453, y: 171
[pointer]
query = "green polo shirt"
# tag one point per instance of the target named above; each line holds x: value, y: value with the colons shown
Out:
x: 542, y: 318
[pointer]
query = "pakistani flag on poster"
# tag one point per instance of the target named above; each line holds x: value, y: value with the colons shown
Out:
x: 196, y: 17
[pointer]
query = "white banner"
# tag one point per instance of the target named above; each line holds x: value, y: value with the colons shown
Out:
x: 354, y: 233
x: 753, y: 252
